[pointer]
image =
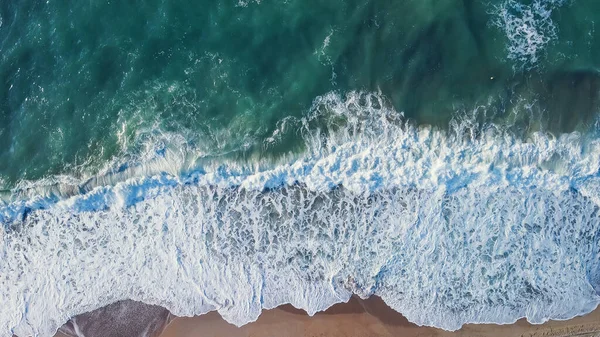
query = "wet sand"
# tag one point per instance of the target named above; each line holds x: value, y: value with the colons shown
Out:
x: 121, y: 319
x: 366, y: 318
x: 357, y: 318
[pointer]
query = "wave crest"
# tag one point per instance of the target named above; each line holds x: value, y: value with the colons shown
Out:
x: 448, y: 227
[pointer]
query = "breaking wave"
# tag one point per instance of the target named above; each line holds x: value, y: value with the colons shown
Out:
x: 471, y: 224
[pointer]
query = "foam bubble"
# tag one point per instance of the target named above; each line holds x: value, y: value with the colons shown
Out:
x: 448, y: 227
x: 529, y: 28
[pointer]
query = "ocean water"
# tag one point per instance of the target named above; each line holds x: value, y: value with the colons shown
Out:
x: 239, y: 155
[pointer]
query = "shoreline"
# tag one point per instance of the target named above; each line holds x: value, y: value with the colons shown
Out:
x: 357, y: 318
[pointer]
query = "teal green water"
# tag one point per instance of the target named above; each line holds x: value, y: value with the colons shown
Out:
x: 238, y: 155
x: 83, y: 83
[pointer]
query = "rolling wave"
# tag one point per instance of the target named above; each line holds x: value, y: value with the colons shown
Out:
x: 467, y: 225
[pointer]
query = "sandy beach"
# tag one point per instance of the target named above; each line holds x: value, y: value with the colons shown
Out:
x: 357, y: 318
x: 366, y: 318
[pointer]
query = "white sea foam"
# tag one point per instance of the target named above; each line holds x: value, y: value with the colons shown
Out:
x: 448, y: 227
x: 529, y: 28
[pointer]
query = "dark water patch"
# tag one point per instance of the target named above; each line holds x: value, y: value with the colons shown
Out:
x: 571, y: 99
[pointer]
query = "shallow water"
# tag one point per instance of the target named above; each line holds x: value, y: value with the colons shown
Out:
x: 442, y: 155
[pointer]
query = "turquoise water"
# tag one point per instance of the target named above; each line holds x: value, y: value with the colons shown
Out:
x: 444, y: 155
x: 85, y: 83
